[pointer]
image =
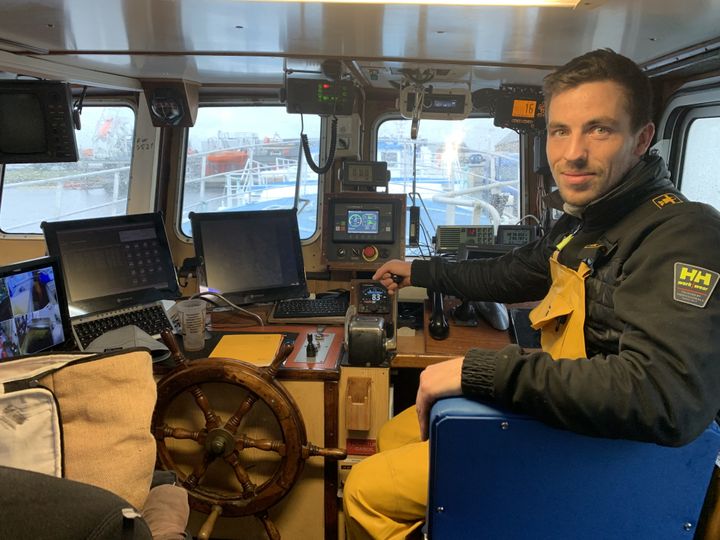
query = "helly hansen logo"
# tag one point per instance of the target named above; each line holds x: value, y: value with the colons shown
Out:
x: 695, y: 275
x: 693, y: 285
x: 666, y: 199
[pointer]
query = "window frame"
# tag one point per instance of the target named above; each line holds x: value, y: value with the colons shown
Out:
x: 89, y: 101
x: 522, y: 153
x: 680, y: 110
x: 682, y: 130
x: 226, y: 101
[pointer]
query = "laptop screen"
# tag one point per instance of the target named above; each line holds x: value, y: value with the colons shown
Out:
x: 113, y: 262
x: 33, y: 312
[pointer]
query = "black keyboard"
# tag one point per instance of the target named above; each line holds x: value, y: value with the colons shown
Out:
x: 151, y: 319
x: 310, y: 308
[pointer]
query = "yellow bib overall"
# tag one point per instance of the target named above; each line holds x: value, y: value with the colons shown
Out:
x: 561, y: 315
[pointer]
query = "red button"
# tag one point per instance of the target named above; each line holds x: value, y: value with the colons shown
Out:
x: 370, y: 253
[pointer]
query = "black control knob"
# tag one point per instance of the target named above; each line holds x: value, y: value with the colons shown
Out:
x: 310, y: 347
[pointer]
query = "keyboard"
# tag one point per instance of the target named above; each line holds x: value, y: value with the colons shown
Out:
x: 151, y: 319
x: 312, y: 309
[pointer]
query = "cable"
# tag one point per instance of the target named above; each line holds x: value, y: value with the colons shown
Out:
x: 77, y: 108
x: 528, y: 216
x: 242, y: 311
x: 331, y: 155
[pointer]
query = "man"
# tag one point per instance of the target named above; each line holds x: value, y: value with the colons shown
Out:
x: 629, y: 316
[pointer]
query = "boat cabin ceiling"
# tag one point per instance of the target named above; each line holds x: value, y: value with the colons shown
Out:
x: 228, y: 43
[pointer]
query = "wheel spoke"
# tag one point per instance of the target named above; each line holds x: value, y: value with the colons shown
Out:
x: 199, y: 471
x: 232, y: 424
x: 270, y: 528
x: 211, y: 419
x: 165, y: 431
x: 261, y: 444
x: 242, y: 475
x: 330, y: 453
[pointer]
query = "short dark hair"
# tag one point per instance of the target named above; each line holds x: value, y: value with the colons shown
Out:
x: 605, y: 65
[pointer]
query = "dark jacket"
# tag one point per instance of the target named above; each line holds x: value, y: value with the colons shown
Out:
x: 653, y: 368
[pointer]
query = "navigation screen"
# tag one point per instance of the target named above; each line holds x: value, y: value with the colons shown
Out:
x: 363, y: 221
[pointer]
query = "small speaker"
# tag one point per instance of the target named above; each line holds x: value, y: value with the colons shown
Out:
x: 172, y: 103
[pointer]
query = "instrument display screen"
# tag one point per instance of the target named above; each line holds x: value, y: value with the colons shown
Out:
x: 373, y: 298
x: 368, y: 221
x: 515, y: 235
x: 363, y: 221
x: 524, y: 108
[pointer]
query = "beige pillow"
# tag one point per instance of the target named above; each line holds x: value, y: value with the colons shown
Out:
x: 106, y: 407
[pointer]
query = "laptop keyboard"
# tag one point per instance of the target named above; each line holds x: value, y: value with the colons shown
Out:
x: 310, y: 308
x: 151, y: 319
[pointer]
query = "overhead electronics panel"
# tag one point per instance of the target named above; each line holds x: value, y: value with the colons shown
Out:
x: 319, y: 96
x: 436, y: 103
x: 363, y: 230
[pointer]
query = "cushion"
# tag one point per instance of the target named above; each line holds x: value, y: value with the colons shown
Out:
x: 106, y: 405
x: 30, y: 437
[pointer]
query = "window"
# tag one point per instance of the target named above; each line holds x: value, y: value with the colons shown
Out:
x: 95, y: 186
x: 246, y: 158
x: 467, y: 172
x: 699, y: 180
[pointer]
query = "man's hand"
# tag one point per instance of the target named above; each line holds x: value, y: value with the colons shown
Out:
x: 437, y: 381
x: 393, y: 275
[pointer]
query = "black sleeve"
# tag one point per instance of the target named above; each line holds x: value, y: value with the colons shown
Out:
x: 518, y: 276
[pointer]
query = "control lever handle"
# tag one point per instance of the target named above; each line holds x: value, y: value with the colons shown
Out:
x: 465, y: 312
x: 438, y: 326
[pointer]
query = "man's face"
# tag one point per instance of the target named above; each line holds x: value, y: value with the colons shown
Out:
x: 590, y: 144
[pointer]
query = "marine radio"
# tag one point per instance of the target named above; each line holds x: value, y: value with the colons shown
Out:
x: 363, y: 230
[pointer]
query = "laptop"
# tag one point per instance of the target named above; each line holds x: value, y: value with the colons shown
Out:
x: 117, y: 271
x: 33, y: 308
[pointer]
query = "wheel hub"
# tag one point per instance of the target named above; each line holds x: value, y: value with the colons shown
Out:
x: 219, y: 443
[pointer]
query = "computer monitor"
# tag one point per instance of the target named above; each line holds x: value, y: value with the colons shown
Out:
x: 33, y: 308
x: 249, y: 257
x: 113, y: 262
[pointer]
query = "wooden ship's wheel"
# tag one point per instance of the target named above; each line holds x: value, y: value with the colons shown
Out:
x: 240, y: 465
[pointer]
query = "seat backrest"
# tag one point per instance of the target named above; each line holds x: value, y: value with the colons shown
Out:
x: 501, y: 475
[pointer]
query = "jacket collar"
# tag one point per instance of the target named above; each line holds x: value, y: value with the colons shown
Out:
x: 647, y: 177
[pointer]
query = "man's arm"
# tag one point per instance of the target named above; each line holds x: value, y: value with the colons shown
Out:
x: 519, y: 276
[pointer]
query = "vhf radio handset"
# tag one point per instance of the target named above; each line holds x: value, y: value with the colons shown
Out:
x: 438, y: 326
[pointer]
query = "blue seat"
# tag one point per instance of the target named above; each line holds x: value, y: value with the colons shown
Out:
x: 501, y: 476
